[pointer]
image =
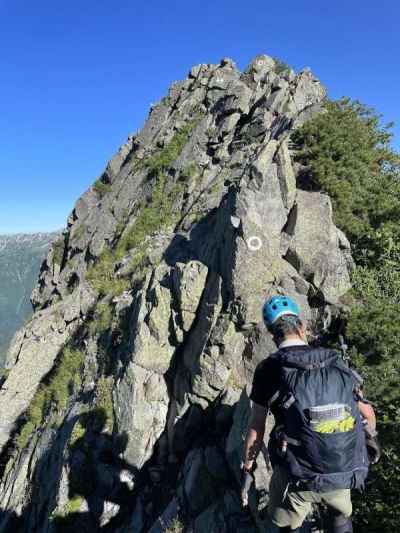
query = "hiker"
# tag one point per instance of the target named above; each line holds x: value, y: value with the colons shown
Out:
x: 325, y: 431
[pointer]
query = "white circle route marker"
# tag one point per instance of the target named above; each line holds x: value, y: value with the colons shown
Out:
x: 254, y: 243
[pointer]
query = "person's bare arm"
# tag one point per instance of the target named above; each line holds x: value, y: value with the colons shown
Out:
x: 255, y: 435
x: 366, y: 410
x: 368, y: 413
x: 371, y: 435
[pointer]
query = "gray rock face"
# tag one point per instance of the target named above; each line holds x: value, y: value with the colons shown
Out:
x: 316, y: 255
x: 164, y: 267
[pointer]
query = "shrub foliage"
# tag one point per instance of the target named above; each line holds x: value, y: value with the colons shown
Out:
x: 347, y: 153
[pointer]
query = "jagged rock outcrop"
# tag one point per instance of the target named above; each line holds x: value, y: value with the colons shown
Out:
x: 133, y: 376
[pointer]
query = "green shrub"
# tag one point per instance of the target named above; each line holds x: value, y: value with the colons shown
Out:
x: 151, y: 218
x: 138, y: 260
x: 25, y: 434
x: 373, y: 331
x: 347, y: 154
x: 67, y: 375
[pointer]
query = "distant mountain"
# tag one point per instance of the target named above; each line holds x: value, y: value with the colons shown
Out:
x: 20, y: 258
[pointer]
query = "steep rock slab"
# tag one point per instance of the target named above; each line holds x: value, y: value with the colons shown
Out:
x: 315, y: 249
x: 151, y: 324
x: 141, y: 399
x: 189, y: 280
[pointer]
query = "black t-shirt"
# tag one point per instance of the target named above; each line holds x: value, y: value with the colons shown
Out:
x: 266, y: 381
x: 267, y: 377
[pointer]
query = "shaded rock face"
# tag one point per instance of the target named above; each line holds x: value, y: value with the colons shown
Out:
x: 158, y: 285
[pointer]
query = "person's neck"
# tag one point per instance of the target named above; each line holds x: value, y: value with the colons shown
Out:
x: 295, y: 339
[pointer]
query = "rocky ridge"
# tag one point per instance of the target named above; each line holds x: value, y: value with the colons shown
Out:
x: 127, y: 400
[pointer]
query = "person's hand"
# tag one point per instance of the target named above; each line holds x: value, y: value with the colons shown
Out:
x: 373, y: 448
x: 246, y: 480
x: 371, y: 440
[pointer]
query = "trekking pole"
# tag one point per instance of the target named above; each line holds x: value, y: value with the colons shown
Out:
x: 246, y: 505
x: 347, y: 359
x: 245, y: 488
x: 344, y: 348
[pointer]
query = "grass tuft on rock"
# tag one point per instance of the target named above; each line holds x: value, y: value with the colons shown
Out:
x: 102, y: 319
x: 163, y: 159
x: 102, y: 276
x: 77, y: 435
x: 280, y: 66
x: 191, y: 170
x: 101, y: 187
x: 58, y: 251
x: 60, y: 516
x: 64, y: 381
x: 152, y: 217
x: 104, y: 400
x: 79, y: 232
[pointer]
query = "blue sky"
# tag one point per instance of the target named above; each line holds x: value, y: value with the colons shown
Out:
x: 78, y: 76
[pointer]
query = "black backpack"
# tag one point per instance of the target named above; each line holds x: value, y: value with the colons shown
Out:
x: 319, y: 436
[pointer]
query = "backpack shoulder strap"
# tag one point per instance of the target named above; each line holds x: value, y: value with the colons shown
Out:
x: 311, y: 366
x: 276, y: 356
x: 331, y: 357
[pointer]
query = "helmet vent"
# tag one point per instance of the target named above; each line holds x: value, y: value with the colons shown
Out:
x: 279, y: 306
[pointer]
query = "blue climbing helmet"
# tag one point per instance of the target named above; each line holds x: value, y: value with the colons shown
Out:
x: 278, y: 306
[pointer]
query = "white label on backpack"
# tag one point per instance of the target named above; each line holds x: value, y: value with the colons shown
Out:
x: 331, y: 418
